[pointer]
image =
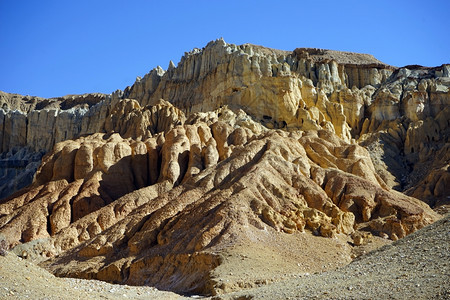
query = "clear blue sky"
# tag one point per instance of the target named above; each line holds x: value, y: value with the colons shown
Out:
x: 54, y: 48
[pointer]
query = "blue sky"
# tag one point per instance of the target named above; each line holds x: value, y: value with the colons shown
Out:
x: 54, y: 48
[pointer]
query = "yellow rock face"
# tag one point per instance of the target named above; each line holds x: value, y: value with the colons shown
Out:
x: 250, y: 146
x: 213, y: 182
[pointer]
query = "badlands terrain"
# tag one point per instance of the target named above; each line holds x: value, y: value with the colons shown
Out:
x: 416, y: 267
x: 241, y: 172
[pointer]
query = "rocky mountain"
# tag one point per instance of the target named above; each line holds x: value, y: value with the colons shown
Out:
x: 170, y: 182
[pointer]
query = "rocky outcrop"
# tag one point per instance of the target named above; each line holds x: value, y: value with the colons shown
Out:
x: 40, y: 129
x: 248, y: 76
x: 26, y: 104
x: 37, y: 124
x: 18, y: 102
x: 407, y: 135
x: 129, y: 119
x: 351, y: 94
x: 354, y: 95
x: 172, y: 198
x: 51, y: 121
x: 234, y: 144
x: 276, y: 182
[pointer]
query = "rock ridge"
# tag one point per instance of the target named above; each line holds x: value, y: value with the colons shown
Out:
x: 142, y: 204
x: 235, y: 147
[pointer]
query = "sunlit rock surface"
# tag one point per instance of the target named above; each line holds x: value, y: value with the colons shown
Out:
x: 233, y: 147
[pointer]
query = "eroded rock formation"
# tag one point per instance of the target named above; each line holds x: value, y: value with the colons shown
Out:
x: 249, y: 144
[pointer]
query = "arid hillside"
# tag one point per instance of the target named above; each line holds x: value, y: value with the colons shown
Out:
x: 416, y: 267
x: 238, y: 167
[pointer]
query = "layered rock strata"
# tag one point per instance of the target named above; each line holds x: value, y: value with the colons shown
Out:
x: 37, y: 124
x: 398, y: 112
x: 353, y: 95
x: 127, y: 209
x: 152, y: 185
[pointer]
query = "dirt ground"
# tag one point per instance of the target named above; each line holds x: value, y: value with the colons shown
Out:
x: 416, y: 267
x: 21, y: 279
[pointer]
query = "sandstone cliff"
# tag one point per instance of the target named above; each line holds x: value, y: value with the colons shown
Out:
x: 353, y: 95
x: 176, y: 197
x: 236, y: 145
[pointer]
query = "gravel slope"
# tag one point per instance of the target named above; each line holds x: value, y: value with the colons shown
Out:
x: 20, y: 279
x: 415, y: 267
